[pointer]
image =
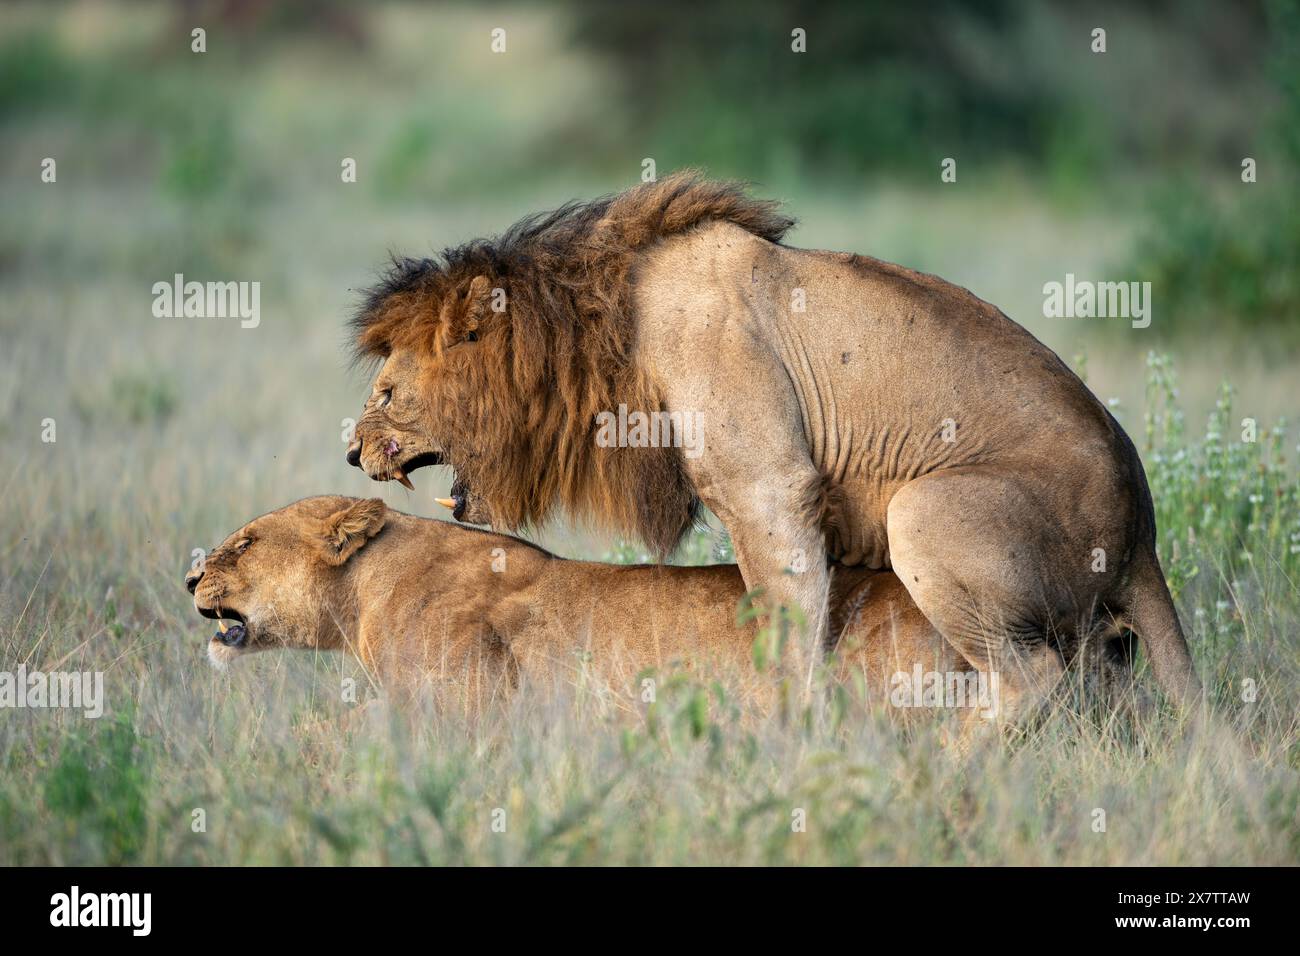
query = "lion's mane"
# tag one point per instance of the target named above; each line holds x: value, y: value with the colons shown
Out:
x: 560, y: 353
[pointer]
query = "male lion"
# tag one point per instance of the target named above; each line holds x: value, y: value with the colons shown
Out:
x: 848, y: 406
x: 471, y: 614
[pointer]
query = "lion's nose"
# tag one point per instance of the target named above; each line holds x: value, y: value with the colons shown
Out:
x: 192, y: 580
x: 354, y: 453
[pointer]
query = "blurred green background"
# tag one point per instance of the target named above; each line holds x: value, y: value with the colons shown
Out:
x: 225, y: 165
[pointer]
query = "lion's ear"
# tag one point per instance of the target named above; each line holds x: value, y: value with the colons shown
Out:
x: 346, y: 531
x: 461, y: 315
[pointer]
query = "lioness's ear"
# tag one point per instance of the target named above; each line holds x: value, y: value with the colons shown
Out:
x: 347, y: 530
x: 461, y: 316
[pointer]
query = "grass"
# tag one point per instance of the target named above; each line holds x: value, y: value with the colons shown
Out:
x: 170, y: 433
x: 263, y: 758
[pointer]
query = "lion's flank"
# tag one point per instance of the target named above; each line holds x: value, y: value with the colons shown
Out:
x: 559, y: 353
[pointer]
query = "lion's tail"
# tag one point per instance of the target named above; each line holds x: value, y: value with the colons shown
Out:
x: 1151, y: 615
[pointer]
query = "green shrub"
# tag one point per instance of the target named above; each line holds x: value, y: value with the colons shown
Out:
x: 98, y: 789
x: 1232, y: 260
x: 1227, y: 509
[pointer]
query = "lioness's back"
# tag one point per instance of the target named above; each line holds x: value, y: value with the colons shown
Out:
x: 611, y: 623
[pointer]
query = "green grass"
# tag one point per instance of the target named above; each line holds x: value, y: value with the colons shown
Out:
x: 281, y: 776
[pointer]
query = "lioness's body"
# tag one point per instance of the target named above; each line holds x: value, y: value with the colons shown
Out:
x: 847, y: 407
x: 473, y: 614
x: 569, y: 622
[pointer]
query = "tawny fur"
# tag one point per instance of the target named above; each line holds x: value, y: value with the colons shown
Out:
x: 851, y: 408
x: 560, y: 353
x: 472, y: 615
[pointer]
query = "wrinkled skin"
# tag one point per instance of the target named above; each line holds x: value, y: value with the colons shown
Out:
x: 951, y: 445
x: 895, y: 421
x: 391, y: 439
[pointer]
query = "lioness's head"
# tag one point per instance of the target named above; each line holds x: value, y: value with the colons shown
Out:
x: 273, y: 578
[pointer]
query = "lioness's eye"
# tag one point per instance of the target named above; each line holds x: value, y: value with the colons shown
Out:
x: 385, y: 397
x: 242, y: 545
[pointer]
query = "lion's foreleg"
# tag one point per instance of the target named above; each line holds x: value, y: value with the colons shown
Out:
x: 782, y: 556
x: 751, y: 464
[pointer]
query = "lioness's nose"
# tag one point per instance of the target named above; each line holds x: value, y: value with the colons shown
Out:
x: 354, y: 453
x: 192, y: 580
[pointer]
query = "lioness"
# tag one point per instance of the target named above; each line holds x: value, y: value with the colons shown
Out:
x: 842, y: 406
x: 472, y: 613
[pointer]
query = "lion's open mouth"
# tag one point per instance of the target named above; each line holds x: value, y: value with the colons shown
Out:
x: 400, y: 473
x: 458, y: 499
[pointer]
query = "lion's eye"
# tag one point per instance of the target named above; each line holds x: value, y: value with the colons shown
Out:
x: 242, y: 545
x: 385, y: 397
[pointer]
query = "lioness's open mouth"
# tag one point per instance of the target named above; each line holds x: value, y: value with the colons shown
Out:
x: 235, y: 635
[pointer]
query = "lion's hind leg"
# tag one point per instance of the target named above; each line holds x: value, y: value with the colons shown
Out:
x: 968, y: 547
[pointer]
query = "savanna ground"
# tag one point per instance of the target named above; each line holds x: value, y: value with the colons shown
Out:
x: 172, y: 432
